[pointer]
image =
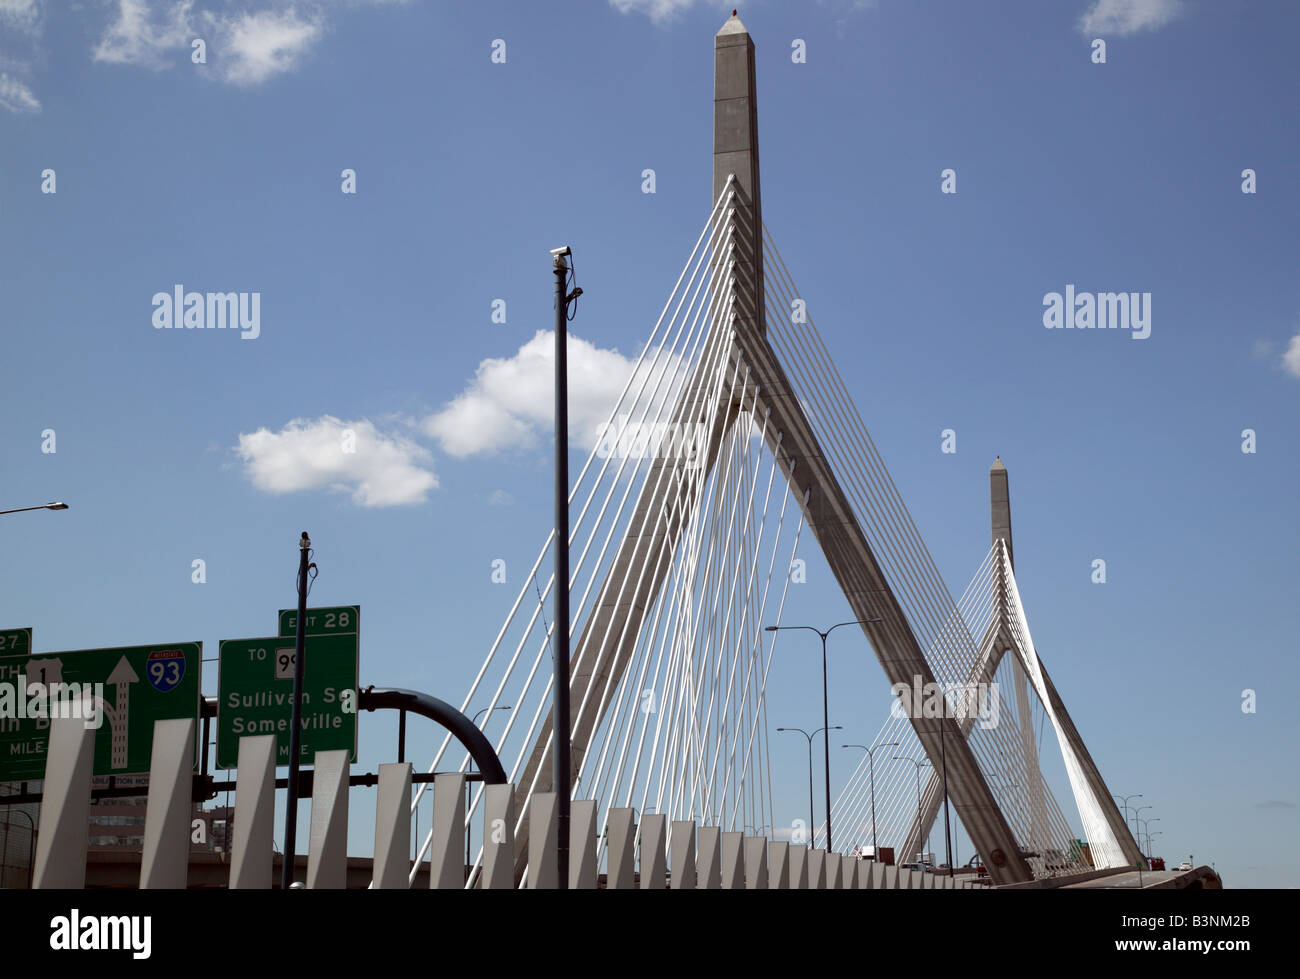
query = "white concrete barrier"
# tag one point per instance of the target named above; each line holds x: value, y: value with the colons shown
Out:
x: 798, y: 867
x: 620, y: 855
x: 252, y: 836
x: 756, y: 877
x: 327, y: 848
x: 682, y: 845
x: 165, y: 861
x: 817, y: 870
x: 392, y: 866
x: 498, y: 837
x: 65, y: 806
x: 583, y: 834
x: 778, y: 865
x: 654, y: 853
x: 543, y: 866
x: 708, y: 867
x: 447, y: 849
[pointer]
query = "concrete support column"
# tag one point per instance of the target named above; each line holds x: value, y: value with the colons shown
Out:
x: 165, y: 862
x: 252, y: 836
x: 392, y: 866
x: 709, y: 859
x: 817, y: 870
x: 621, y: 851
x: 756, y: 878
x: 65, y: 808
x: 543, y: 868
x: 733, y: 861
x: 327, y: 849
x: 849, y: 872
x: 683, y: 855
x: 583, y: 833
x: 654, y: 854
x: 498, y: 837
x: 447, y: 850
x: 799, y: 867
x: 778, y: 865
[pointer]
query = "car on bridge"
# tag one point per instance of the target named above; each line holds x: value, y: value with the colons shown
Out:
x: 1185, y: 865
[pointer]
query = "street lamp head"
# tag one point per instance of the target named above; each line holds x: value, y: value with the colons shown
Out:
x: 771, y: 628
x: 57, y: 505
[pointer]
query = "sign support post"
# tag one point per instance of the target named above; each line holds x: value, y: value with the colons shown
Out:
x: 295, y: 730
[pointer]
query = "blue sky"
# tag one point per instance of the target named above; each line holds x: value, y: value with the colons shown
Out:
x: 376, y: 315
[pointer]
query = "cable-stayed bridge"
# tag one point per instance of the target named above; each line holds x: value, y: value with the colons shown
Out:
x: 734, y: 443
x: 734, y: 440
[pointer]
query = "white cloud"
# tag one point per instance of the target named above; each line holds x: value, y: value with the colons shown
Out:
x: 144, y: 36
x: 1125, y: 17
x: 1291, y: 358
x: 250, y: 48
x: 244, y: 48
x: 17, y: 97
x: 23, y: 15
x: 384, y: 470
x: 510, y: 404
x: 659, y: 11
x: 500, y: 498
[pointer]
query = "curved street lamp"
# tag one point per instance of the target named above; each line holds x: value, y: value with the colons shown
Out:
x: 871, y: 758
x: 812, y: 839
x: 469, y: 829
x: 56, y: 505
x: 919, y: 765
x: 825, y: 702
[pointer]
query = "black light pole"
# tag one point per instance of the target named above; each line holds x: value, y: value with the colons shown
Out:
x: 1123, y: 801
x: 918, y: 765
x: 1146, y: 823
x: 811, y: 825
x: 468, y: 828
x: 560, y: 728
x: 825, y: 705
x: 295, y: 721
x: 943, y: 761
x: 871, y: 760
x: 1136, y: 813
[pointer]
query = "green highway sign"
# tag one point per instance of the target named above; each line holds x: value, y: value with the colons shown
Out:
x: 336, y: 620
x: 14, y: 642
x: 255, y: 693
x: 138, y: 685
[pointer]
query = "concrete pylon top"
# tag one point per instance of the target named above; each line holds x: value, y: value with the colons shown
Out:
x: 1000, y: 505
x: 732, y: 26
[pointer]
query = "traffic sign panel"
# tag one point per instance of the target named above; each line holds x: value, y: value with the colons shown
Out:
x: 330, y: 621
x: 136, y: 686
x: 255, y: 695
x: 14, y: 642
